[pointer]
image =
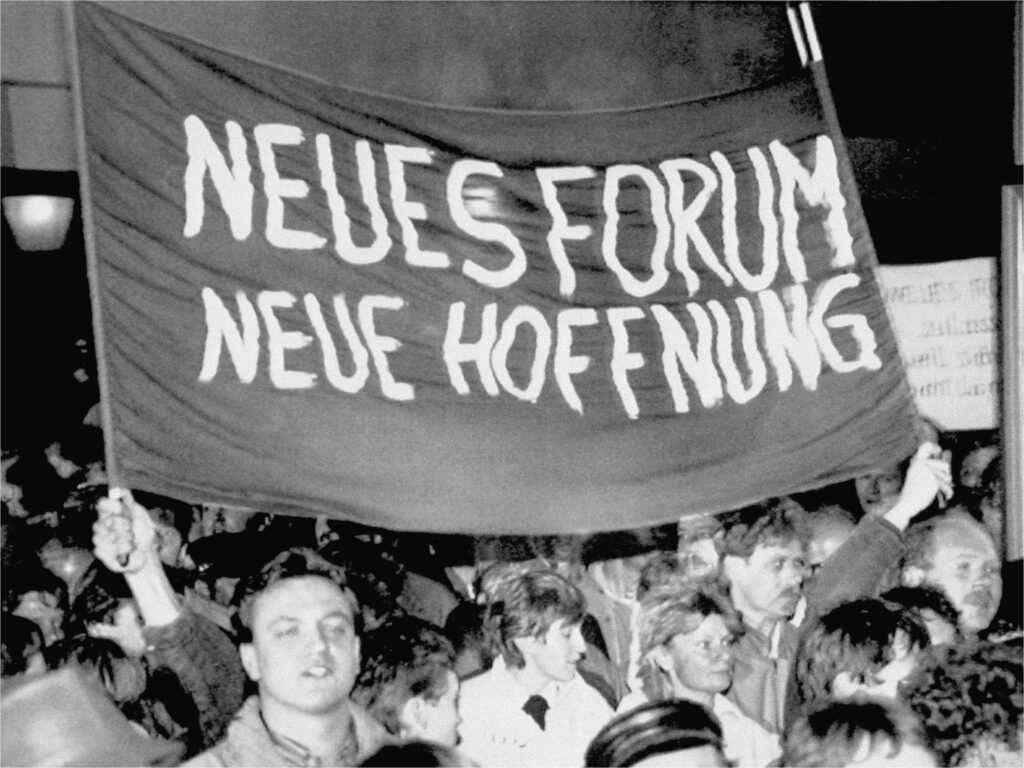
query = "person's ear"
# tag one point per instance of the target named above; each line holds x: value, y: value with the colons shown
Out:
x: 912, y: 576
x: 661, y: 658
x: 412, y: 719
x: 250, y: 660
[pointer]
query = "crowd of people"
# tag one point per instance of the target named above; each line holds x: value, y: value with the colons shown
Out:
x: 875, y: 628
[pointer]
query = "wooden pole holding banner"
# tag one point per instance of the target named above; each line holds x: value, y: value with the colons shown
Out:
x: 85, y: 200
x: 1011, y: 294
x: 1013, y: 317
x: 1011, y: 276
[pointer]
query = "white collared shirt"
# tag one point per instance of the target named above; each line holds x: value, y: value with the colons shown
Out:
x: 495, y: 731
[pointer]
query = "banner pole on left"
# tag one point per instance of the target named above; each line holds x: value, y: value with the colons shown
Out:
x: 85, y: 197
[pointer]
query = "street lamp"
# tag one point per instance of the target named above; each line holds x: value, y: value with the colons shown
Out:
x: 38, y: 222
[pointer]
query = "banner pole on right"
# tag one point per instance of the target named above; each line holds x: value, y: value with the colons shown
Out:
x: 1011, y: 278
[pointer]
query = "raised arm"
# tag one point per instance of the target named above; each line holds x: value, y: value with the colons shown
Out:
x: 204, y: 659
x: 859, y: 566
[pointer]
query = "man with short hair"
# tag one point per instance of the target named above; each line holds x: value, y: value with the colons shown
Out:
x: 763, y: 563
x: 408, y: 681
x: 298, y: 625
x: 532, y: 707
x: 956, y: 555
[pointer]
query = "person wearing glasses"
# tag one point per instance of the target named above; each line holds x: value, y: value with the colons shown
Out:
x: 687, y: 633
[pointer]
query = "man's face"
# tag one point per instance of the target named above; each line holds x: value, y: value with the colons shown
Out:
x: 439, y: 720
x: 878, y: 491
x: 556, y: 653
x: 304, y: 652
x: 966, y: 568
x: 700, y: 556
x: 702, y: 660
x: 768, y: 583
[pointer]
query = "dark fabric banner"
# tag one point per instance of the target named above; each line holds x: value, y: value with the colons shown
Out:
x: 318, y: 300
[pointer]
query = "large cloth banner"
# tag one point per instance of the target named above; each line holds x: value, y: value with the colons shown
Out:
x: 944, y: 315
x: 318, y: 300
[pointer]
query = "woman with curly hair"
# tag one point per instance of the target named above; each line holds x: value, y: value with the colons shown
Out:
x: 687, y: 632
x: 970, y: 699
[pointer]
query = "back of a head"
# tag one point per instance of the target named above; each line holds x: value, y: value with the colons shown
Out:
x: 402, y: 659
x: 829, y: 516
x: 841, y: 733
x: 857, y: 638
x: 827, y: 528
x: 474, y: 647
x: 416, y: 753
x: 123, y: 677
x: 656, y: 728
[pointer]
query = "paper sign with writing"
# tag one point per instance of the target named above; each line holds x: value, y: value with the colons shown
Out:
x: 944, y: 316
x: 321, y: 300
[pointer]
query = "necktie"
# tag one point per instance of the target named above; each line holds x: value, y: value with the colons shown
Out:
x: 536, y: 707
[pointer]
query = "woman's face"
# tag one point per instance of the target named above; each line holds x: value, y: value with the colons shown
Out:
x: 700, y: 661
